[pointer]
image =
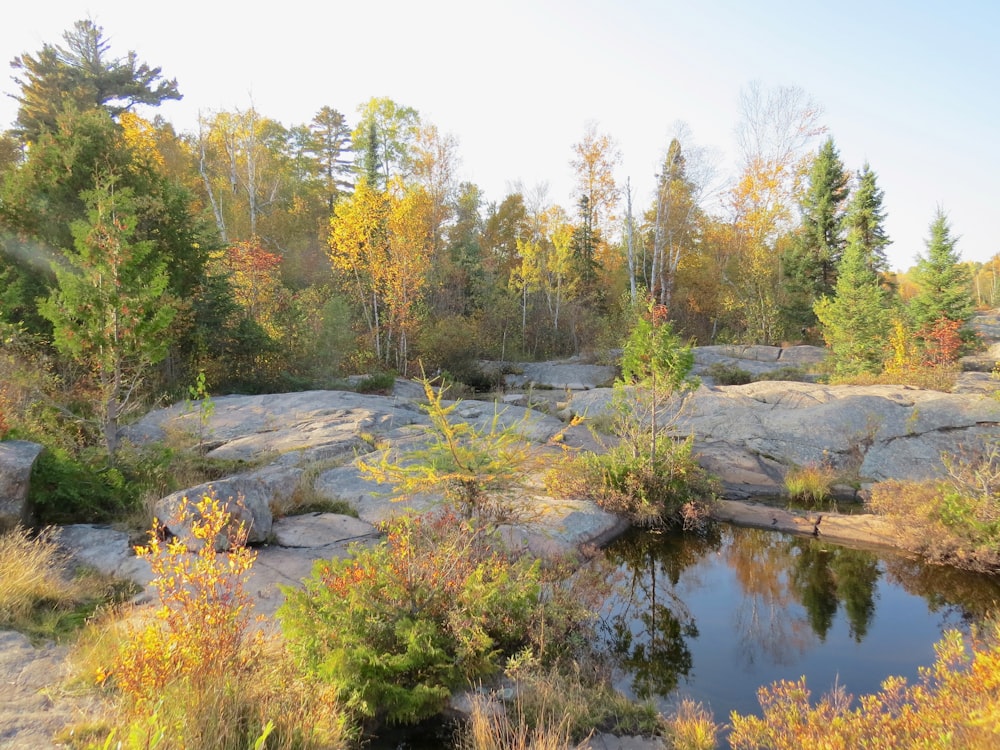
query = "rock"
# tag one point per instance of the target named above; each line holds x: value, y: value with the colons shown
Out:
x: 33, y: 705
x: 571, y: 375
x: 318, y: 530
x: 105, y: 549
x: 17, y: 458
x: 749, y: 435
x: 246, y: 497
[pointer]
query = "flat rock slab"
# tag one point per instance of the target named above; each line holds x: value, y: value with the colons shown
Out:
x: 863, y: 528
x: 318, y: 530
x: 33, y: 705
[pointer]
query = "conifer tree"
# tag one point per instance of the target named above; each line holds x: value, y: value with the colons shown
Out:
x: 866, y: 217
x: 810, y: 265
x: 856, y: 321
x: 110, y: 311
x: 942, y: 280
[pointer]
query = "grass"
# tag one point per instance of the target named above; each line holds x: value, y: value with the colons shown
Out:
x: 940, y: 378
x: 811, y: 483
x: 42, y: 595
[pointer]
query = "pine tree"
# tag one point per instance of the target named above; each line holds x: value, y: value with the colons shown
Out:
x: 944, y: 283
x: 82, y: 76
x: 856, y: 321
x: 810, y: 265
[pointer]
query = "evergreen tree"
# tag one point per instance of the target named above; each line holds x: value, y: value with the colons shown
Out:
x: 943, y: 281
x: 866, y: 217
x: 810, y: 264
x: 856, y: 321
x: 110, y: 311
x: 82, y: 75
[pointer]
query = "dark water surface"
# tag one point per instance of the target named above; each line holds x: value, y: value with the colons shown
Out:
x: 713, y: 617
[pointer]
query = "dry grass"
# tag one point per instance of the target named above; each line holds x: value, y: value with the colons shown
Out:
x: 31, y: 575
x: 939, y: 378
x: 491, y: 727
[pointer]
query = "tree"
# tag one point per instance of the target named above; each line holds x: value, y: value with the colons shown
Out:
x: 810, y: 264
x: 44, y: 196
x: 325, y: 144
x: 111, y: 312
x: 596, y: 157
x: 379, y: 248
x: 775, y: 129
x: 866, y: 217
x: 82, y: 76
x: 856, y: 321
x: 382, y: 140
x: 675, y: 216
x: 942, y: 280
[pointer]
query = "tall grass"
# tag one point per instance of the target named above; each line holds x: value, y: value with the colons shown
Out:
x: 40, y: 594
x: 31, y: 575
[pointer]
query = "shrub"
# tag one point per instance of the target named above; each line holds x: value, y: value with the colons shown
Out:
x: 473, y: 469
x: 396, y: 627
x: 724, y: 374
x: 196, y: 675
x: 658, y: 489
x: 954, y: 520
x: 956, y: 703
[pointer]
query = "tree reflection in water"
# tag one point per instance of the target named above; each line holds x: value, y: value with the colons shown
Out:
x: 648, y: 624
x: 783, y: 594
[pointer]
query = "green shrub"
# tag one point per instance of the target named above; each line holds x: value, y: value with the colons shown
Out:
x: 397, y: 626
x: 652, y: 489
x: 65, y: 489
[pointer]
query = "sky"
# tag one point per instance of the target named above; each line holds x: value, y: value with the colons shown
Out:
x: 909, y: 86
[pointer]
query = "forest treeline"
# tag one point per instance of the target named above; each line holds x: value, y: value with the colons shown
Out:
x: 279, y: 257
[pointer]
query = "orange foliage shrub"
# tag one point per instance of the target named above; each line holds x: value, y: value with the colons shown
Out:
x: 955, y: 704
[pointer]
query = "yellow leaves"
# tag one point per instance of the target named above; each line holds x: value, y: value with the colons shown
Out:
x: 140, y: 137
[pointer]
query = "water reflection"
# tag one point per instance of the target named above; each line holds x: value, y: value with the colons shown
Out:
x: 717, y: 615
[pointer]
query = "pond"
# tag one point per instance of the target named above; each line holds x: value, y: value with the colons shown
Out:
x: 714, y: 616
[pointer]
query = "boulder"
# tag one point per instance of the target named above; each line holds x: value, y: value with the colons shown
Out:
x: 246, y: 497
x: 17, y: 458
x: 567, y: 375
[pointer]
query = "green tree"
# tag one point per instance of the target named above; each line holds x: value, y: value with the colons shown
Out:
x: 42, y: 198
x: 810, y: 264
x: 675, y: 216
x: 943, y: 281
x: 110, y: 312
x: 856, y: 320
x: 382, y: 140
x: 326, y: 143
x: 83, y: 76
x: 866, y: 218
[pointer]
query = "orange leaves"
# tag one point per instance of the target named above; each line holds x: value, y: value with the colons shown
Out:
x: 956, y: 703
x: 201, y: 630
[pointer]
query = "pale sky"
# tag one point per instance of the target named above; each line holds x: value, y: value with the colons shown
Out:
x: 910, y: 86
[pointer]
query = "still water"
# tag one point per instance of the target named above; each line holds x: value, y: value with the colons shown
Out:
x: 714, y: 616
